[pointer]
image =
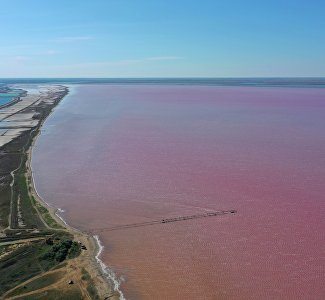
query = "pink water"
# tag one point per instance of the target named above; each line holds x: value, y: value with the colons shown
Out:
x: 113, y: 155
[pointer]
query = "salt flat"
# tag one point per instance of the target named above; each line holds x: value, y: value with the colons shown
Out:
x: 15, y: 132
x: 21, y: 116
x: 17, y: 124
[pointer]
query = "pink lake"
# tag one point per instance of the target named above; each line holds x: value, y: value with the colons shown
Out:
x: 113, y: 155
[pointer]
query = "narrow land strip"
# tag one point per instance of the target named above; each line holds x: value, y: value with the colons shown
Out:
x: 34, y: 242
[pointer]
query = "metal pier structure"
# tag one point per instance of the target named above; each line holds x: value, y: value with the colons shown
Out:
x: 165, y: 220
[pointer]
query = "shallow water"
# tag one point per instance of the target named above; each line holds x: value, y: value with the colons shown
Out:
x: 112, y: 155
x: 7, y: 97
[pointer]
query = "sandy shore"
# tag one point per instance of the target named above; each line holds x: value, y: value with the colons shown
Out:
x: 89, y: 259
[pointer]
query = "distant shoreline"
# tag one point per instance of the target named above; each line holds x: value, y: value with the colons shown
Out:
x: 303, y: 82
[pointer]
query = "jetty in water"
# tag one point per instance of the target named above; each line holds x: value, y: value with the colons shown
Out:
x: 165, y: 220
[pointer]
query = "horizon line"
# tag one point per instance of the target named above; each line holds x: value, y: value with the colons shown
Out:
x: 178, y: 77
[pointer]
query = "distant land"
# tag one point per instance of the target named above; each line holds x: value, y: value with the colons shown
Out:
x: 251, y: 81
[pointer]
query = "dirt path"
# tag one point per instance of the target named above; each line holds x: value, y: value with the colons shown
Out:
x: 21, y: 241
x: 62, y: 284
x: 26, y: 282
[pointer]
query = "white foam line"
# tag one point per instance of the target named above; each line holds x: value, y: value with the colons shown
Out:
x: 63, y: 221
x: 106, y: 270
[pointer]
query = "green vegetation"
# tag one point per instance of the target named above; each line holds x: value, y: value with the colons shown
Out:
x: 13, y: 156
x: 21, y: 265
x: 3, y: 249
x: 90, y: 285
x: 29, y: 214
x: 75, y: 250
x: 23, y: 234
x: 92, y: 291
x: 36, y: 284
x: 46, y: 215
x: 10, y: 157
x: 27, y: 218
x: 85, y: 275
x: 62, y: 250
x: 33, y: 259
x: 60, y: 266
x: 5, y: 195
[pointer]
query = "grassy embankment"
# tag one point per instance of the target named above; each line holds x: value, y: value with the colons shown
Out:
x: 35, y: 258
x: 90, y: 284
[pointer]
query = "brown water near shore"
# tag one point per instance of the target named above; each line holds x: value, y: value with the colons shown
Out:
x: 112, y: 155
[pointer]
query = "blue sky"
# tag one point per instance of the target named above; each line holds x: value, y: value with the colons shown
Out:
x: 162, y: 38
